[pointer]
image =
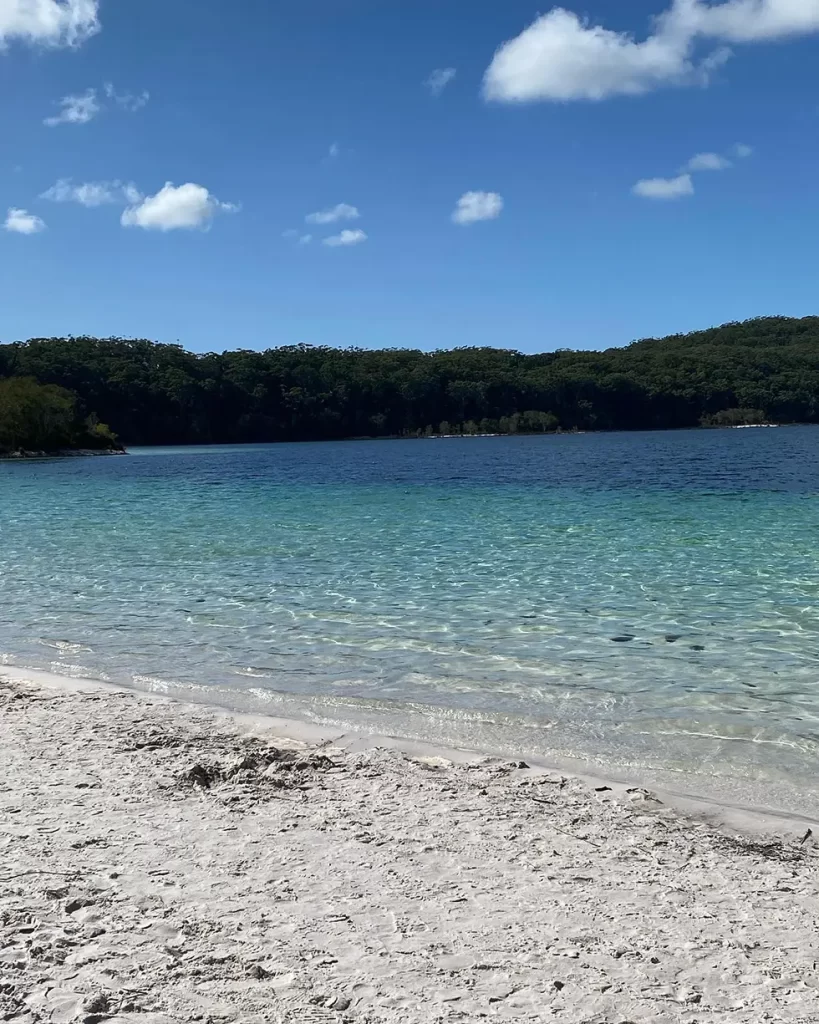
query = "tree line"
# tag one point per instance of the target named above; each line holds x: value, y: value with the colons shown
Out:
x: 766, y: 369
x: 47, y: 418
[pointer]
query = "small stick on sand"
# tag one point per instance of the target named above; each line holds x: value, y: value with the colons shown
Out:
x: 22, y: 874
x: 539, y: 800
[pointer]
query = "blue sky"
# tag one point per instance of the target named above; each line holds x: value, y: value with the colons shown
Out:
x: 576, y: 139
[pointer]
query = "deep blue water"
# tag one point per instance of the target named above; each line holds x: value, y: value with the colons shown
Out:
x: 650, y: 595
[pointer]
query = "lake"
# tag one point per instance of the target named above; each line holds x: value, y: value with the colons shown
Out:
x: 638, y: 600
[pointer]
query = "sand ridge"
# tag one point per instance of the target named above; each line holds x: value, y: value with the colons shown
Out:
x: 160, y: 863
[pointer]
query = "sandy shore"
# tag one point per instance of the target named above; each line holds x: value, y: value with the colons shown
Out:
x: 162, y: 863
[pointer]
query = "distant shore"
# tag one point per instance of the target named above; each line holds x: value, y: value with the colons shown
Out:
x: 67, y: 453
x: 62, y: 453
x: 164, y: 863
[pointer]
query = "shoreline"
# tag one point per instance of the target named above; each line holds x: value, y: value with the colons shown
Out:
x: 61, y: 453
x: 716, y: 808
x: 569, y: 432
x: 165, y: 863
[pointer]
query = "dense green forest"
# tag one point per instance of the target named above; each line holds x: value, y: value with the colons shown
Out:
x: 47, y: 418
x: 148, y: 393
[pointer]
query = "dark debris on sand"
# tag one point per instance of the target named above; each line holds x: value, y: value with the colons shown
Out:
x: 259, y: 769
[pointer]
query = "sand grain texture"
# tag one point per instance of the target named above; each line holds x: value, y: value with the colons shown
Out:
x: 158, y: 864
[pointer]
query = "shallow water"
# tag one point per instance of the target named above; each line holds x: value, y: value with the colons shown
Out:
x: 647, y: 598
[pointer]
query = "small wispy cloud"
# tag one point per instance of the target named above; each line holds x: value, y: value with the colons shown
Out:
x: 439, y: 79
x: 664, y: 188
x: 346, y: 237
x: 703, y: 73
x: 79, y: 108
x: 92, y: 193
x: 682, y: 184
x: 334, y: 151
x: 342, y: 211
x: 476, y: 206
x: 296, y: 236
x: 708, y: 162
x: 132, y: 102
x: 21, y: 222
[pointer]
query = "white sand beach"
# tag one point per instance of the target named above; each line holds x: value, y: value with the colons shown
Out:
x: 162, y: 862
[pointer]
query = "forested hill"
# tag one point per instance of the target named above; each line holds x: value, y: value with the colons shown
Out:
x: 148, y: 393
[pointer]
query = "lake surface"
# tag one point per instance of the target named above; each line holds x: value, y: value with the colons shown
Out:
x: 642, y: 599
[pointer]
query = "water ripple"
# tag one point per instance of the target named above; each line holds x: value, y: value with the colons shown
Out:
x: 628, y: 585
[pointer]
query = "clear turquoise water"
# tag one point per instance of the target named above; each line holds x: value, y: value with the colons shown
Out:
x: 461, y: 590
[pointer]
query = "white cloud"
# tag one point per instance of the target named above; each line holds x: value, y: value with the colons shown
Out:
x: 83, y: 107
x: 682, y: 185
x: 562, y: 57
x: 707, y: 162
x: 187, y: 207
x: 343, y: 211
x: 306, y: 239
x: 92, y: 193
x: 127, y: 100
x: 48, y: 22
x: 439, y: 80
x: 665, y: 188
x: 78, y: 109
x: 95, y: 193
x: 347, y: 237
x: 475, y: 206
x: 333, y: 151
x: 22, y: 222
x: 743, y: 21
